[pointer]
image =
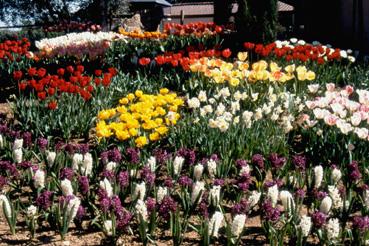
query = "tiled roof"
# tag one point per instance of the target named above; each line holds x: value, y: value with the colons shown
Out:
x: 207, y: 8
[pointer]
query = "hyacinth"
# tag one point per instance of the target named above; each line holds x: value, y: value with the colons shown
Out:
x: 188, y: 154
x: 271, y: 213
x: 254, y: 198
x: 113, y: 155
x: 177, y: 164
x: 241, y: 163
x: 212, y: 168
x: 305, y: 225
x: 106, y: 185
x: 5, y: 208
x: 3, y: 182
x: 336, y: 175
x: 72, y: 208
x: 361, y: 223
x: 84, y: 185
x: 337, y: 202
x: 272, y: 194
x: 77, y: 160
x: 18, y: 144
x: 277, y: 161
x: 42, y: 143
x: 161, y: 193
x: 147, y: 175
x: 299, y: 162
x: 287, y: 200
x: 167, y: 206
x: 66, y: 187
x: 150, y: 204
x: 133, y: 155
x: 333, y: 229
x: 326, y: 205
x: 319, y: 219
x: 366, y: 198
x: 161, y: 155
x: 300, y: 193
x: 123, y: 179
x: 197, y: 171
x: 1, y: 141
x: 241, y: 207
x: 354, y: 171
x: 31, y: 211
x: 123, y: 218
x: 39, y: 179
x: 44, y: 200
x: 141, y: 209
x: 139, y: 191
x: 258, y: 160
x: 185, y: 181
x: 318, y: 176
x: 168, y: 182
x: 51, y: 158
x: 215, y: 223
x: 110, y: 166
x: 151, y: 163
x: 18, y: 155
x: 197, y: 189
x: 238, y: 224
x: 81, y: 212
x: 214, y: 195
x: 67, y: 173
x: 27, y: 139
x: 108, y: 226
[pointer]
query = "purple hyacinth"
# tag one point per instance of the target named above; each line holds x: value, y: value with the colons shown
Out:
x: 66, y: 173
x: 115, y: 203
x: 185, y: 181
x: 161, y: 155
x: 83, y: 148
x: 276, y: 161
x: 44, y: 200
x: 27, y: 139
x: 361, y: 223
x: 300, y: 193
x: 104, y: 156
x: 9, y: 167
x: 188, y: 154
x: 319, y: 219
x: 80, y: 213
x: 84, y: 185
x: 25, y: 164
x: 59, y: 146
x: 240, y: 208
x: 354, y: 171
x: 244, y: 181
x: 219, y: 182
x: 204, y: 205
x: 71, y: 148
x: 133, y: 155
x: 42, y: 143
x: 123, y: 218
x: 241, y: 163
x: 123, y: 179
x: 105, y: 204
x: 115, y: 155
x: 271, y: 213
x: 3, y: 182
x: 107, y: 174
x: 299, y: 161
x: 150, y: 204
x: 147, y: 175
x: 167, y: 205
x: 168, y: 182
x: 319, y: 195
x: 258, y: 160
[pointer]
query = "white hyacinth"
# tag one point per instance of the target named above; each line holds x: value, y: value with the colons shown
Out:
x: 336, y: 198
x: 366, y: 198
x: 141, y: 209
x: 214, y: 195
x: 318, y: 175
x: 161, y: 193
x: 18, y: 155
x: 272, y: 194
x: 108, y: 225
x: 177, y: 164
x: 305, y: 225
x: 18, y: 144
x: 66, y: 187
x: 1, y: 141
x: 197, y: 171
x: 215, y: 223
x: 87, y: 164
x: 333, y: 229
x: 5, y: 207
x: 72, y: 208
x: 31, y: 211
x: 110, y: 166
x: 151, y: 162
x: 39, y: 179
x: 245, y: 169
x: 287, y: 200
x: 198, y: 186
x: 336, y: 175
x: 238, y: 224
x: 140, y: 191
x: 77, y: 161
x: 326, y: 205
x: 212, y: 167
x: 106, y: 185
x: 50, y: 158
x: 254, y: 198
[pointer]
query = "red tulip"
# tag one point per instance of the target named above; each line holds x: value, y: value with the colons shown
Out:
x: 143, y: 61
x: 226, y: 53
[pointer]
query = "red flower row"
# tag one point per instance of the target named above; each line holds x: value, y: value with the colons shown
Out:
x: 73, y: 26
x: 197, y: 28
x: 67, y: 80
x: 10, y: 49
x: 301, y: 53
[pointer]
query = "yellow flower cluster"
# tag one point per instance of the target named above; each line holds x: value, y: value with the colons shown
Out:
x: 138, y: 34
x: 139, y: 116
x: 240, y: 71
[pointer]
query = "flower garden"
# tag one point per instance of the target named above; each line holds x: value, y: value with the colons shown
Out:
x: 174, y: 138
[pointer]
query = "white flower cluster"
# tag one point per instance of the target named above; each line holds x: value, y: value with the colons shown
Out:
x: 84, y: 163
x: 17, y: 150
x: 78, y: 44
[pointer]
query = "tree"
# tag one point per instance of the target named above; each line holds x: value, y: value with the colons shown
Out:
x: 222, y: 11
x: 257, y: 20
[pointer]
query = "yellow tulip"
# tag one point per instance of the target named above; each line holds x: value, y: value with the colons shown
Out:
x: 141, y: 141
x: 242, y: 56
